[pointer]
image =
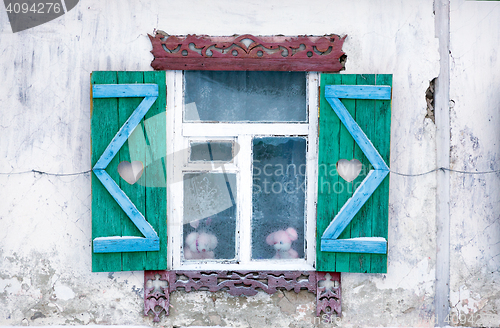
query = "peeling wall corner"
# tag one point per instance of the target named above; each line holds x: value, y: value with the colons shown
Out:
x: 343, y: 61
x: 442, y: 114
x: 429, y: 98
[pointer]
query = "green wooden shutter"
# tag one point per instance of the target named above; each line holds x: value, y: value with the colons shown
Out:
x: 143, y: 245
x: 336, y: 142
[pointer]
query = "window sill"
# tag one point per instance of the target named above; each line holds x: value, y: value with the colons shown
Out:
x: 277, y: 265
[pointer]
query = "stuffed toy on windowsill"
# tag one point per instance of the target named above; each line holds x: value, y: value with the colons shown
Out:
x: 199, y: 246
x: 282, y: 242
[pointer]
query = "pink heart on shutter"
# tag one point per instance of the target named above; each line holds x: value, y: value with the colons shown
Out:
x: 349, y: 170
x: 130, y: 172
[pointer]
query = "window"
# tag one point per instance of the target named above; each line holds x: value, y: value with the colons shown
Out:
x: 246, y: 159
x: 244, y: 148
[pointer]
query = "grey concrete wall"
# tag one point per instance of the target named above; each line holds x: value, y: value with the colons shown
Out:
x: 45, y: 255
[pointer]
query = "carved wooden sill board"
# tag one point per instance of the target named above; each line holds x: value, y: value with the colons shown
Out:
x: 158, y: 285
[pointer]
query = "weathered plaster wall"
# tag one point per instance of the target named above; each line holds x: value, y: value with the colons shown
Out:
x: 45, y: 257
x: 475, y: 142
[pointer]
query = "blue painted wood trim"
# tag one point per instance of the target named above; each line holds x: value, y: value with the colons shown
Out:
x: 125, y: 244
x: 124, y: 90
x: 359, y: 136
x: 354, y: 245
x: 358, y: 91
x: 329, y: 241
x: 353, y: 204
x: 128, y: 207
x: 124, y: 132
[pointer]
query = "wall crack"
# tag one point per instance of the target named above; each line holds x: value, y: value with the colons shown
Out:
x: 429, y: 98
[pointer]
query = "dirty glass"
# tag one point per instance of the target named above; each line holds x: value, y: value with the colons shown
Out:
x: 278, y: 197
x: 214, y: 151
x: 229, y: 96
x: 209, y: 227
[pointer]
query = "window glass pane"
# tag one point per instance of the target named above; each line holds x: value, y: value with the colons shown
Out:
x: 209, y: 216
x: 211, y: 151
x: 219, y: 96
x: 278, y: 202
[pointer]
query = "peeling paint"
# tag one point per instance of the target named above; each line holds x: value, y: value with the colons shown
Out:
x: 63, y: 292
x: 429, y: 98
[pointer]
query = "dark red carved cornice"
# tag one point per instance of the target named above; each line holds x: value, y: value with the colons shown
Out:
x: 248, y: 53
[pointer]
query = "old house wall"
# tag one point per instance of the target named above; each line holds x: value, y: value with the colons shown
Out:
x: 45, y: 235
x: 475, y: 142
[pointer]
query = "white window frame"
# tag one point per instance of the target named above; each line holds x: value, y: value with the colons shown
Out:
x: 178, y: 136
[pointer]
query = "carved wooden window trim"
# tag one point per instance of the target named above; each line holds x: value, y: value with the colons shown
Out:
x: 158, y: 285
x: 248, y: 53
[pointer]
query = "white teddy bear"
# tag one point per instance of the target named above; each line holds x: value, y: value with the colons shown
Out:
x: 199, y: 246
x: 282, y: 242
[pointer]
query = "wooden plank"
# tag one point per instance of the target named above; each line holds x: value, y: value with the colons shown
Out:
x: 363, y: 142
x: 380, y: 217
x: 156, y: 195
x: 124, y: 132
x: 352, y: 206
x: 106, y: 213
x: 346, y: 151
x: 361, y: 225
x: 127, y: 206
x: 137, y: 191
x: 125, y: 90
x: 383, y: 120
x: 246, y: 64
x: 126, y: 244
x: 358, y: 92
x: 355, y: 245
x: 328, y: 150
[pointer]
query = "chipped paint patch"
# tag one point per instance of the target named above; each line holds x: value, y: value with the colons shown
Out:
x: 63, y: 292
x: 419, y: 277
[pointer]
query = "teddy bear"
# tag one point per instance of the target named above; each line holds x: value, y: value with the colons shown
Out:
x: 199, y: 246
x: 282, y: 242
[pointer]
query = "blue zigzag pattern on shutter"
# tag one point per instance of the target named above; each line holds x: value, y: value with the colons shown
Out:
x: 329, y: 241
x: 113, y: 244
